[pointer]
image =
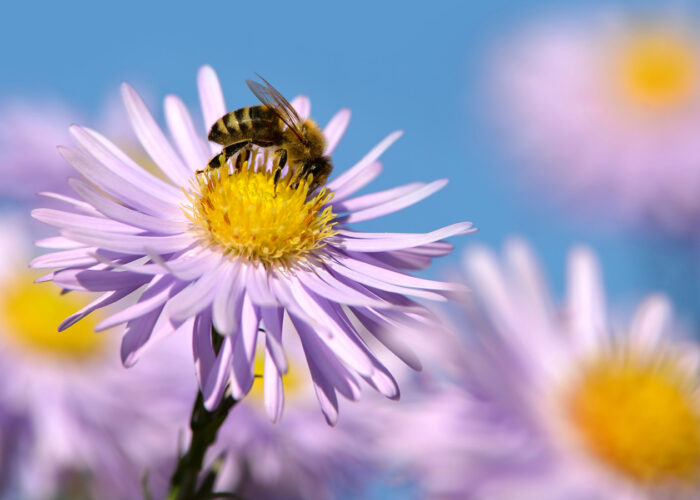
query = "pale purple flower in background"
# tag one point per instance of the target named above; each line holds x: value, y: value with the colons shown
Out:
x: 603, y: 113
x: 234, y: 250
x: 554, y: 402
x: 29, y: 162
x: 74, y: 422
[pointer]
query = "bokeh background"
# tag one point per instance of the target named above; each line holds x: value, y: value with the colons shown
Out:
x: 421, y: 67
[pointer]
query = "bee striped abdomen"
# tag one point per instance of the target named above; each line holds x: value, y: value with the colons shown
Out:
x: 251, y: 122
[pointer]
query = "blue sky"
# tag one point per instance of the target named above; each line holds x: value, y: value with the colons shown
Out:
x: 412, y: 66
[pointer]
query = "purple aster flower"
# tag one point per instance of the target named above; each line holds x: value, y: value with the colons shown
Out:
x: 235, y: 250
x: 556, y: 403
x: 70, y: 415
x: 612, y: 106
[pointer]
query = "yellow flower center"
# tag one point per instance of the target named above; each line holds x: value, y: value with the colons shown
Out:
x: 658, y: 70
x: 640, y: 416
x: 31, y: 314
x: 246, y: 213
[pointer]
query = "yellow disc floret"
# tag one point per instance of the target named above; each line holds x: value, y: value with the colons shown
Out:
x: 245, y: 213
x: 640, y: 416
x: 32, y: 313
x: 658, y: 70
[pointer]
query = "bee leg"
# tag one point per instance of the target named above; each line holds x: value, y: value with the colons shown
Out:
x: 279, y: 165
x: 242, y: 157
x: 225, y: 154
x: 282, y: 157
x: 315, y: 172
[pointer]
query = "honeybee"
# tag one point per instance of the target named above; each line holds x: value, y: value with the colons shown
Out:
x: 299, y: 142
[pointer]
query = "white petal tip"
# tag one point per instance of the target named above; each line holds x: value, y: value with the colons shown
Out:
x: 205, y: 71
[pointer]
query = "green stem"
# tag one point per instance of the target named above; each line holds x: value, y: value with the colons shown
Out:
x: 205, y: 426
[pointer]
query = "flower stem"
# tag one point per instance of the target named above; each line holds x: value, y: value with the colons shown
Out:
x: 205, y: 426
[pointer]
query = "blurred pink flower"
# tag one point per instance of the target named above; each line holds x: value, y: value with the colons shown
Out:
x: 605, y: 114
x: 555, y: 403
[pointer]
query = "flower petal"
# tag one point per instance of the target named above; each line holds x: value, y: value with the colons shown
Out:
x: 348, y: 276
x: 257, y: 286
x: 272, y: 318
x: 136, y: 338
x: 218, y: 377
x: 302, y: 105
x: 368, y: 268
x: 242, y: 375
x: 66, y: 258
x: 650, y: 320
x: 192, y: 148
x: 61, y: 219
x: 365, y: 162
x: 116, y: 186
x: 341, y: 294
x: 384, y: 331
x: 202, y: 348
x: 119, y: 212
x: 152, y: 138
x: 155, y: 295
x: 586, y: 299
x: 377, y: 198
x: 335, y: 129
x: 104, y: 300
x: 358, y: 182
x: 107, y: 153
x: 226, y: 308
x: 212, y: 99
x: 273, y: 388
x: 88, y: 280
x: 397, y: 203
x: 338, y: 341
x: 197, y: 296
x: 131, y: 244
x: 360, y: 243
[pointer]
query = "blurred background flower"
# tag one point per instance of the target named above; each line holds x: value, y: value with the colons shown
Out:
x: 605, y: 110
x: 555, y: 401
x: 77, y: 424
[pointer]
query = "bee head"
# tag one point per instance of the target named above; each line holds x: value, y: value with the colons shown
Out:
x: 320, y: 168
x: 315, y: 141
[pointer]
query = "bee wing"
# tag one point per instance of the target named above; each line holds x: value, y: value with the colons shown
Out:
x: 275, y: 101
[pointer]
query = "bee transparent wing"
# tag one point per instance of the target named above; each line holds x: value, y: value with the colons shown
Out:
x: 275, y: 101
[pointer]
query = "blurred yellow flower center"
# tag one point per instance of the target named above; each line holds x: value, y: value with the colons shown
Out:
x: 658, y: 70
x: 32, y: 313
x: 292, y: 381
x: 640, y: 416
x: 245, y: 213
